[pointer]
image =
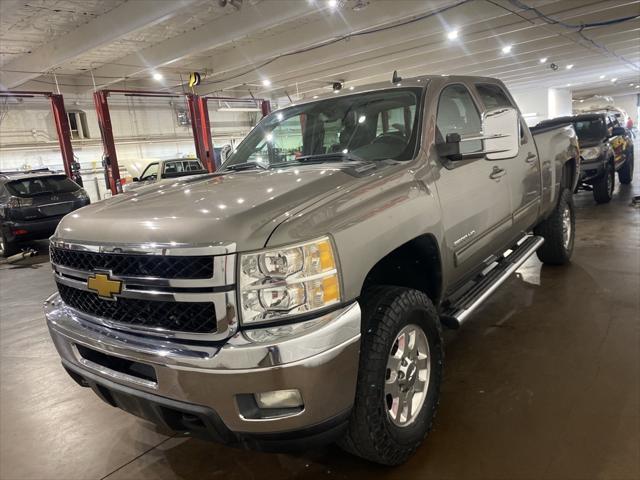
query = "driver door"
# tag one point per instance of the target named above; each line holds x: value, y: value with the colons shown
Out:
x: 474, y: 193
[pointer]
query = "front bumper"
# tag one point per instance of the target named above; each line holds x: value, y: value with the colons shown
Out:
x: 592, y: 170
x: 216, y: 382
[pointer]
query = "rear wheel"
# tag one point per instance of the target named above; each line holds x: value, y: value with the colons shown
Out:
x: 7, y: 248
x: 625, y: 174
x: 558, y: 231
x: 603, y: 188
x: 401, y: 364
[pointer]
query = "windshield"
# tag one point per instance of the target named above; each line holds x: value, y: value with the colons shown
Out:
x: 368, y: 126
x: 30, y: 187
x: 592, y: 130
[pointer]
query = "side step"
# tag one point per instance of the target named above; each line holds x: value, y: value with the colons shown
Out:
x: 465, y: 303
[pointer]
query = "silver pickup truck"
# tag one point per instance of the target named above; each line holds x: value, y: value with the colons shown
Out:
x: 297, y: 295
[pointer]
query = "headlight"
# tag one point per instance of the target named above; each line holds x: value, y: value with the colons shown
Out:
x: 590, y: 153
x: 283, y: 282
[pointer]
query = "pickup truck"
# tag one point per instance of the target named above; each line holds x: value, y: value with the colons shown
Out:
x: 164, y: 169
x: 297, y: 295
x: 606, y: 147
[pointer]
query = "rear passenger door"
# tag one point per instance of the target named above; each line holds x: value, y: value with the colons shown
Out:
x: 474, y: 194
x: 524, y: 168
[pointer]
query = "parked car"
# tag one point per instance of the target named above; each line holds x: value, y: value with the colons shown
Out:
x: 163, y: 169
x: 605, y: 147
x: 31, y: 205
x: 296, y: 296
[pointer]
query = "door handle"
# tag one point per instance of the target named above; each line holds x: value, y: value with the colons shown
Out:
x: 531, y: 157
x: 496, y: 173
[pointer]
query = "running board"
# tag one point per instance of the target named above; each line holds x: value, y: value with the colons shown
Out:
x: 464, y: 304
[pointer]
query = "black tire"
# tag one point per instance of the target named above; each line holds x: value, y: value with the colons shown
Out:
x: 556, y: 250
x: 7, y: 248
x: 371, y: 433
x: 603, y: 188
x: 625, y: 174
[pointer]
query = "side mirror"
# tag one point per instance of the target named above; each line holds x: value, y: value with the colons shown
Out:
x: 500, y: 136
x: 615, y: 131
x: 225, y: 151
x: 501, y: 129
x: 135, y: 179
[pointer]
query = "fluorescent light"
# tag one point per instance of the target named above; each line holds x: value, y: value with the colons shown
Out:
x: 614, y: 80
x: 315, y: 96
x: 602, y: 76
x: 266, y: 82
x: 582, y: 100
x: 568, y: 84
x: 157, y: 76
x: 336, y: 91
x: 332, y: 3
x: 452, y: 35
x: 543, y: 60
x: 239, y: 109
x: 631, y: 84
x: 351, y: 87
x: 507, y: 48
x: 569, y: 67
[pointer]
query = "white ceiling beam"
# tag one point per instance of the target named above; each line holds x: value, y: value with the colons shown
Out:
x: 250, y: 19
x: 123, y: 20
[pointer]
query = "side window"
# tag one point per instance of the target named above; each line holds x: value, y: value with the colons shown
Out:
x: 493, y: 96
x: 457, y: 113
x: 150, y: 173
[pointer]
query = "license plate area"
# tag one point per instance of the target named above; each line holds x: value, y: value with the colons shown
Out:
x: 117, y: 367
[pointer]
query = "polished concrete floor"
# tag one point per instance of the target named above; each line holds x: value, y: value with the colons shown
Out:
x: 543, y: 383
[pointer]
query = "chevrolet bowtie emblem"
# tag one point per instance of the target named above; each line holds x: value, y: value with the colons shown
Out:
x: 104, y: 286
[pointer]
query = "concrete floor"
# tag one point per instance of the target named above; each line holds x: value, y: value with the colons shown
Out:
x: 543, y: 383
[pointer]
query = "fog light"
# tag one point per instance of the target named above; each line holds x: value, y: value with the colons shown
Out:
x: 279, y: 399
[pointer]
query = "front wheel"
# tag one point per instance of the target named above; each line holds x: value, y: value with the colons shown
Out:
x: 401, y: 364
x: 558, y: 231
x: 625, y: 174
x: 7, y: 248
x: 603, y: 188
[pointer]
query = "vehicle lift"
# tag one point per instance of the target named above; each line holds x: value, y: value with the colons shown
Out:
x: 71, y: 167
x: 200, y: 126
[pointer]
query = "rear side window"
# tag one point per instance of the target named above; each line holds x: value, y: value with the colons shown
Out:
x: 31, y: 187
x: 493, y: 96
x: 457, y: 113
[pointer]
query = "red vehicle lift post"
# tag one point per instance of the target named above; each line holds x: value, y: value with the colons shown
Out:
x: 71, y: 167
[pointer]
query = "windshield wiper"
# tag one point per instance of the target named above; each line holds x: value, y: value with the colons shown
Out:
x: 244, y: 166
x: 321, y: 158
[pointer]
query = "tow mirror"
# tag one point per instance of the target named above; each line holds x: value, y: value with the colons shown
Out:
x: 500, y: 136
x: 225, y: 152
x: 615, y: 131
x: 501, y: 130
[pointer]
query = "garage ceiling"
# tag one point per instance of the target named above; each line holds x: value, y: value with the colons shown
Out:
x: 303, y: 46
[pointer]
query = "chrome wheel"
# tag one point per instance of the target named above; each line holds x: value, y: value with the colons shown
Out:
x: 566, y: 227
x: 407, y: 375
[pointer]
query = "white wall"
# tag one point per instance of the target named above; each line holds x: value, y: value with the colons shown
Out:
x: 559, y: 102
x: 628, y: 103
x: 537, y: 104
x: 144, y: 129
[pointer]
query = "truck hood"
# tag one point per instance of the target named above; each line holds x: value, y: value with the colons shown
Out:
x: 241, y: 208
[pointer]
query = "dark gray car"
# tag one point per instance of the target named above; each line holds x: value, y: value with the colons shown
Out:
x: 32, y: 204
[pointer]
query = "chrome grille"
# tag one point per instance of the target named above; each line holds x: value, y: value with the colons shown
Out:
x: 170, y: 291
x: 161, y: 266
x: 192, y: 317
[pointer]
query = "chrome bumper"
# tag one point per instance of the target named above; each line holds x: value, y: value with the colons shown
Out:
x: 319, y: 357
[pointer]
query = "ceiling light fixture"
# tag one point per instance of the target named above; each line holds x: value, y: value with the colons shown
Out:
x: 614, y: 80
x: 352, y: 87
x: 452, y: 34
x: 569, y: 67
x: 158, y: 76
x: 543, y: 60
x: 568, y: 84
x: 266, y: 82
x: 332, y: 4
x: 507, y: 48
x: 602, y: 76
x: 315, y: 96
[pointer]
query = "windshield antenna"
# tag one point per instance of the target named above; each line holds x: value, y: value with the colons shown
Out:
x: 396, y: 78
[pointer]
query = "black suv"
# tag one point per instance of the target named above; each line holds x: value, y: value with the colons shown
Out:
x: 605, y: 147
x: 32, y: 203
